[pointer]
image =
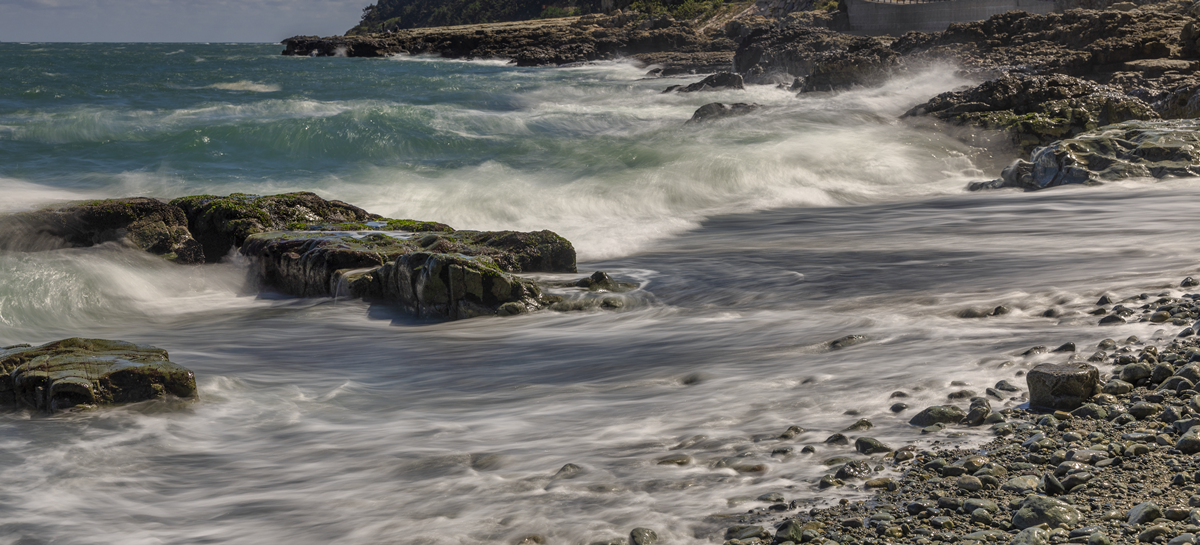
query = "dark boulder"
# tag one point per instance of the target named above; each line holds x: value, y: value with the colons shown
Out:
x: 715, y: 82
x: 76, y: 371
x: 149, y: 224
x: 1063, y: 386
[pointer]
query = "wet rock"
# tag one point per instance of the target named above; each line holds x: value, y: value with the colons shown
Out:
x: 792, y: 432
x: 1062, y: 386
x: 1150, y: 534
x: 969, y: 483
x: 1031, y: 536
x: 715, y: 82
x: 869, y: 445
x: 1117, y: 387
x: 848, y: 341
x: 837, y: 439
x: 1006, y: 386
x: 861, y: 425
x: 220, y: 224
x: 857, y: 469
x: 147, y: 224
x: 1133, y: 149
x: 643, y: 536
x: 1023, y: 484
x: 1035, y: 110
x: 938, y: 414
x: 747, y: 532
x: 898, y: 407
x: 1143, y: 410
x: 1134, y: 372
x: 675, y: 460
x: 717, y: 110
x: 1036, y: 510
x: 567, y: 471
x: 74, y: 372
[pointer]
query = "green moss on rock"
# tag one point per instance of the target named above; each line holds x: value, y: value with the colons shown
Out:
x: 76, y: 371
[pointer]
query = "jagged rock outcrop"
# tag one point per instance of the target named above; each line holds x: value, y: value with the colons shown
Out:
x: 1031, y: 111
x: 823, y: 58
x: 74, y: 372
x: 223, y: 223
x: 453, y: 275
x: 1077, y: 42
x: 1133, y: 149
x: 149, y: 224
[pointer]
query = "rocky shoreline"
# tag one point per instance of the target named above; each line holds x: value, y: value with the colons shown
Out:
x: 1111, y: 460
x: 1049, y: 78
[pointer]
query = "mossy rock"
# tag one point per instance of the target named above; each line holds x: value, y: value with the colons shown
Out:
x: 76, y: 371
x: 222, y: 223
x: 1033, y: 111
x: 148, y: 224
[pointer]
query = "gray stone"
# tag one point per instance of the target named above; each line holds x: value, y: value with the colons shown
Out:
x: 1136, y: 371
x: 1022, y: 484
x: 1144, y: 512
x: 937, y: 414
x: 1031, y: 536
x: 1063, y: 386
x: 1037, y: 510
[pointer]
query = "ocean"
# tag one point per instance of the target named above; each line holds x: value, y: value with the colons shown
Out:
x: 754, y: 241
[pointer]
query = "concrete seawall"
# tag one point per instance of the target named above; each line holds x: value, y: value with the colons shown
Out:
x: 881, y: 17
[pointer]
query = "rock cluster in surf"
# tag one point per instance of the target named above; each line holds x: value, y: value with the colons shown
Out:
x: 300, y: 244
x: 1050, y: 77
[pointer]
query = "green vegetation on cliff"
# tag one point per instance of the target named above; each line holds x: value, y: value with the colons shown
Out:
x: 404, y: 14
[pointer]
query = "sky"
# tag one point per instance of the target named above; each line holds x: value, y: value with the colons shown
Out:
x: 174, y: 20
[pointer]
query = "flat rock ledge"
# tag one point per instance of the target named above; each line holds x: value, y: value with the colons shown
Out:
x: 79, y: 372
x: 303, y: 245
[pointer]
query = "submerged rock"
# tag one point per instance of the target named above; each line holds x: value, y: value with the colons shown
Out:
x: 1126, y: 150
x: 716, y: 110
x: 715, y: 82
x: 75, y: 371
x: 148, y: 224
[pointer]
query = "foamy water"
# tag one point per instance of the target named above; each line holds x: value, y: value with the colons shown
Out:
x: 755, y: 241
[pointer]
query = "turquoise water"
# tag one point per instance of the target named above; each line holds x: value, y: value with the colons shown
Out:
x: 755, y: 241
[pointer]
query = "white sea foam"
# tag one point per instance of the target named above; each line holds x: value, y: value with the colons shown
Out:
x: 246, y: 85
